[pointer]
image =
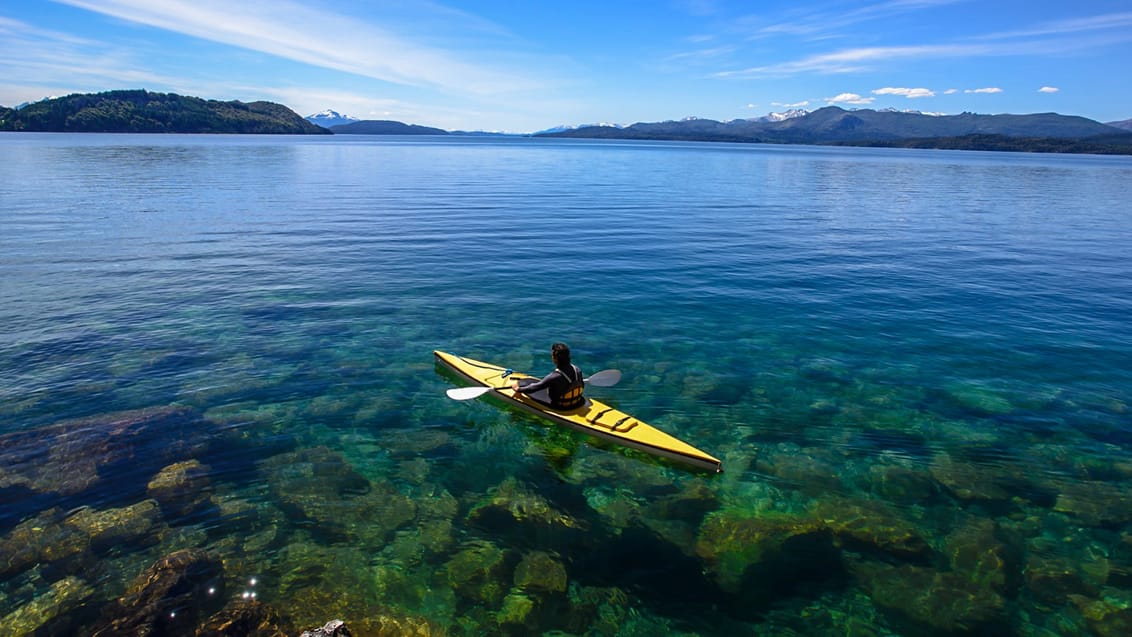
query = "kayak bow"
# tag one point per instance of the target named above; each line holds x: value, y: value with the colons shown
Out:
x: 595, y: 418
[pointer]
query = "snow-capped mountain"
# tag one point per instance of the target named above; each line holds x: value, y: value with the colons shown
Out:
x: 329, y: 118
x: 910, y: 111
x: 24, y: 104
x: 783, y: 116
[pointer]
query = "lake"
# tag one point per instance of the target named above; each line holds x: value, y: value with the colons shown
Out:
x: 219, y: 405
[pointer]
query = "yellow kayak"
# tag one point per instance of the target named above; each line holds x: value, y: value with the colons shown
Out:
x: 595, y: 418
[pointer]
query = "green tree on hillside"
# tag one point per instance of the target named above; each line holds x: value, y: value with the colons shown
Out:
x: 139, y: 111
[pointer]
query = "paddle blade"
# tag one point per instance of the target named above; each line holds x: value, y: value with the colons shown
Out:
x: 467, y: 393
x: 605, y: 378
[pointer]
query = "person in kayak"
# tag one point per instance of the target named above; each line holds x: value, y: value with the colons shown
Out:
x: 560, y: 389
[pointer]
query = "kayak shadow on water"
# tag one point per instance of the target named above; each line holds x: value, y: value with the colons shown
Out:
x: 557, y: 444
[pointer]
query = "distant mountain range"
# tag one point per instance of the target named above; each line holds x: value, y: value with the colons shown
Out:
x: 340, y: 124
x: 833, y: 125
x: 140, y: 111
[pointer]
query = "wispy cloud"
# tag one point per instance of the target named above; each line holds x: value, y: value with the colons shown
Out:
x: 852, y: 60
x: 704, y: 54
x: 989, y: 89
x: 1105, y: 22
x: 46, y: 58
x: 1048, y: 89
x: 910, y: 93
x: 1048, y: 38
x: 822, y: 24
x: 319, y: 38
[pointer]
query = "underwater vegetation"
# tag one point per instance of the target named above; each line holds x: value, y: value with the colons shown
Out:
x: 176, y: 521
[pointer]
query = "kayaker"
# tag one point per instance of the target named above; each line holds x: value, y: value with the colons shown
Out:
x: 560, y: 389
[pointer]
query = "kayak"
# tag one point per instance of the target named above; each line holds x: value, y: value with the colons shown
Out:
x: 594, y: 418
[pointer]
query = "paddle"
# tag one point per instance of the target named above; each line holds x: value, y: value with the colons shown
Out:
x: 604, y: 378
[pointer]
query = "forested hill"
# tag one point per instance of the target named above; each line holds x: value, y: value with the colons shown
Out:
x: 384, y: 127
x: 140, y: 111
x: 1039, y: 132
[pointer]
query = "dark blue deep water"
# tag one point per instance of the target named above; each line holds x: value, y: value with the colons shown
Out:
x: 216, y: 351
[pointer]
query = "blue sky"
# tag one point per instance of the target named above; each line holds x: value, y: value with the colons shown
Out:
x: 526, y: 65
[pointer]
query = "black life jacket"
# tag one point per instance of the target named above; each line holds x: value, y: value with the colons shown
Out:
x: 571, y: 397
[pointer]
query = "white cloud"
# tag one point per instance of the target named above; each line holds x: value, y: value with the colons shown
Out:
x: 1048, y: 89
x: 951, y: 91
x: 850, y: 98
x: 990, y: 89
x: 910, y: 93
x: 802, y: 104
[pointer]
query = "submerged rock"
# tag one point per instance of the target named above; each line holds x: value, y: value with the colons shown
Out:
x: 1052, y: 580
x: 872, y: 527
x: 757, y: 555
x: 314, y: 566
x: 541, y: 573
x: 321, y: 488
x: 1096, y: 503
x: 332, y: 628
x: 422, y: 441
x: 974, y: 551
x: 64, y: 546
x: 59, y: 601
x: 901, y: 484
x: 236, y: 515
x: 134, y: 525
x: 811, y: 470
x: 968, y: 481
x: 390, y: 625
x: 42, y: 539
x: 978, y: 399
x: 597, y: 610
x: 246, y: 618
x: 360, y: 615
x: 511, y: 506
x: 618, y: 507
x: 168, y: 597
x: 1110, y: 616
x: 517, y: 611
x: 692, y: 502
x: 928, y: 601
x: 77, y: 456
x: 481, y: 573
x: 181, y: 489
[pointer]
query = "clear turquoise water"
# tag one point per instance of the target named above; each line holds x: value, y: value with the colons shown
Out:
x: 879, y: 344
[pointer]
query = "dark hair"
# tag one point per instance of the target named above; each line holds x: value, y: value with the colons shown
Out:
x: 561, y: 354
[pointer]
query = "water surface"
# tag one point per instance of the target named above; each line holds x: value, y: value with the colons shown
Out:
x: 915, y: 365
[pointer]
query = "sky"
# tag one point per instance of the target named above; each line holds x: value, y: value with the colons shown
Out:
x: 529, y: 65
